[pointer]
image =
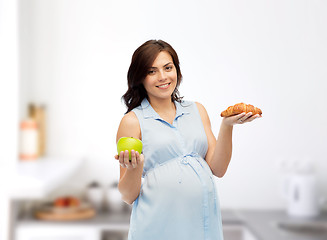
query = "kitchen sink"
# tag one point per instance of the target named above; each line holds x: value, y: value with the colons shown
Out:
x: 237, y: 232
x: 309, y: 228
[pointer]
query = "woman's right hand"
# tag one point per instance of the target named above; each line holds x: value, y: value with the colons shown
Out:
x: 123, y: 158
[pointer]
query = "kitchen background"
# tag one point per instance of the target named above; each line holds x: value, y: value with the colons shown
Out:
x: 73, y: 59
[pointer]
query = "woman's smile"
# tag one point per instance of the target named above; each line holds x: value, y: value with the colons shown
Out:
x: 164, y: 86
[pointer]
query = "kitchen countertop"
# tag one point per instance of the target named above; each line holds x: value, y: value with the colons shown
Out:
x: 263, y: 224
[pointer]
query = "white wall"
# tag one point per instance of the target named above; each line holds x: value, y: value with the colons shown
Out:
x: 75, y: 56
x: 9, y: 106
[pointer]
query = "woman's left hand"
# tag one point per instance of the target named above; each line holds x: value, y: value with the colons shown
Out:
x: 240, y: 118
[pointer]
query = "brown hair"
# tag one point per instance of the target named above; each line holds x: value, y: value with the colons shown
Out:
x: 142, y: 60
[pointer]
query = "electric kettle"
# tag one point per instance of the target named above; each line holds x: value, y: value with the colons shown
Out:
x: 302, y: 195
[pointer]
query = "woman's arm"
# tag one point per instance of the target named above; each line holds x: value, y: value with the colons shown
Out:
x: 220, y: 151
x: 130, y: 172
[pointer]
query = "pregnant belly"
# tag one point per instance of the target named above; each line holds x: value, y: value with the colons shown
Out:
x: 176, y: 180
x: 173, y: 197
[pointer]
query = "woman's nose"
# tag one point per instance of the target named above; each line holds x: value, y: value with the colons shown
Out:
x: 162, y: 75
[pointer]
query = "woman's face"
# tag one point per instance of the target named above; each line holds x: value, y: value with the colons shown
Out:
x: 161, y: 79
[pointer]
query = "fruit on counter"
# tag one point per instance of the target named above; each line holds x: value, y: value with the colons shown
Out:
x: 67, y: 201
x: 129, y: 143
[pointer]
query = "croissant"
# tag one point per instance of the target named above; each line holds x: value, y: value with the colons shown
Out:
x: 239, y: 108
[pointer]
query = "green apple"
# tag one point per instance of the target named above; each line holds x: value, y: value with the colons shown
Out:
x: 129, y: 143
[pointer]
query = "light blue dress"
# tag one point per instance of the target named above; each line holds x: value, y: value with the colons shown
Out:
x: 178, y: 198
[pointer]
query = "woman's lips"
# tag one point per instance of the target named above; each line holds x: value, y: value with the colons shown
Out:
x: 164, y: 86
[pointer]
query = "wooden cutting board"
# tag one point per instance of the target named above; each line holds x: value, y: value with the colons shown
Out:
x: 77, y: 214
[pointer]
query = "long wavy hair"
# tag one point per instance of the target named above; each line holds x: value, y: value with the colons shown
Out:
x: 142, y: 60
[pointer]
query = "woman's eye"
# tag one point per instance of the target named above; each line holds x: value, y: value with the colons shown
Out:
x: 151, y: 72
x: 169, y: 68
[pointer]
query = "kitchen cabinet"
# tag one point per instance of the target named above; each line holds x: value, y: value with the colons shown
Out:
x: 237, y: 225
x: 70, y: 232
x: 56, y: 232
x: 108, y: 226
x: 105, y: 226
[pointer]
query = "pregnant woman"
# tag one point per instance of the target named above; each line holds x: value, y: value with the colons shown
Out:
x: 171, y: 183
